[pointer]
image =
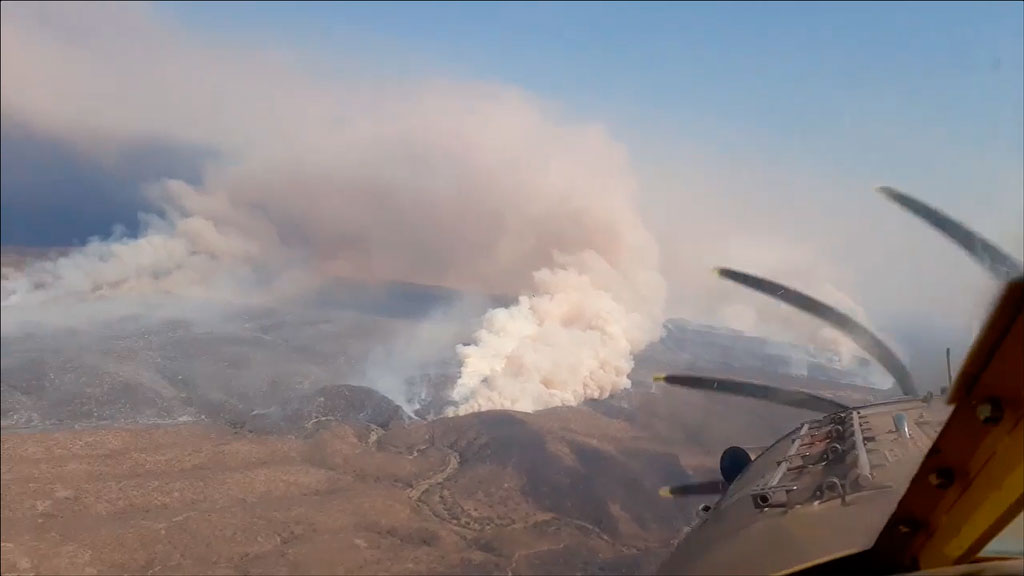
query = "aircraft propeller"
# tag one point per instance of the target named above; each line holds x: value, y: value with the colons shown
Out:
x: 1000, y: 264
x: 792, y: 398
x: 842, y: 322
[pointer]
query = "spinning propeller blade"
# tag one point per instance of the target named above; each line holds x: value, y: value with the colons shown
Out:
x: 856, y: 331
x: 791, y: 398
x: 706, y: 488
x: 1000, y: 264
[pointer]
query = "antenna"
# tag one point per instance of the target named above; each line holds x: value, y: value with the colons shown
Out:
x: 949, y: 370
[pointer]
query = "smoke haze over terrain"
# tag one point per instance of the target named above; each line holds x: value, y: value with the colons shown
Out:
x: 282, y: 180
x: 458, y: 184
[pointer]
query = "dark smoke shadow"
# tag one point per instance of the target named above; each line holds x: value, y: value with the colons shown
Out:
x: 56, y: 195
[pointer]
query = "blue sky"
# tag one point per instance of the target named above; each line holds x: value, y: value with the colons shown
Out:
x: 882, y: 89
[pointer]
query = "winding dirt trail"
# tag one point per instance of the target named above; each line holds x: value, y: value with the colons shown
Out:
x: 416, y: 492
x: 518, y: 555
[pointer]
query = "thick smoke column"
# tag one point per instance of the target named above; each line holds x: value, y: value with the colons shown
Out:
x: 572, y: 339
x: 461, y: 184
x: 176, y: 254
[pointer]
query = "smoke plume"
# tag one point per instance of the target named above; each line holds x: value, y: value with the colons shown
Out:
x: 461, y: 184
x: 570, y: 340
x: 309, y: 176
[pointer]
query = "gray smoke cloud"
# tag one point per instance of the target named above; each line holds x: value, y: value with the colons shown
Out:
x: 459, y: 184
x: 471, y: 185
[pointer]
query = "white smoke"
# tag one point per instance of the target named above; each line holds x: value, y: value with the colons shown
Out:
x: 570, y: 340
x: 177, y: 254
x: 461, y: 184
x: 407, y: 368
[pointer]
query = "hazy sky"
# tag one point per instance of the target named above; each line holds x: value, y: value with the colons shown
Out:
x: 756, y: 131
x: 789, y: 113
x: 907, y: 91
x: 927, y: 96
